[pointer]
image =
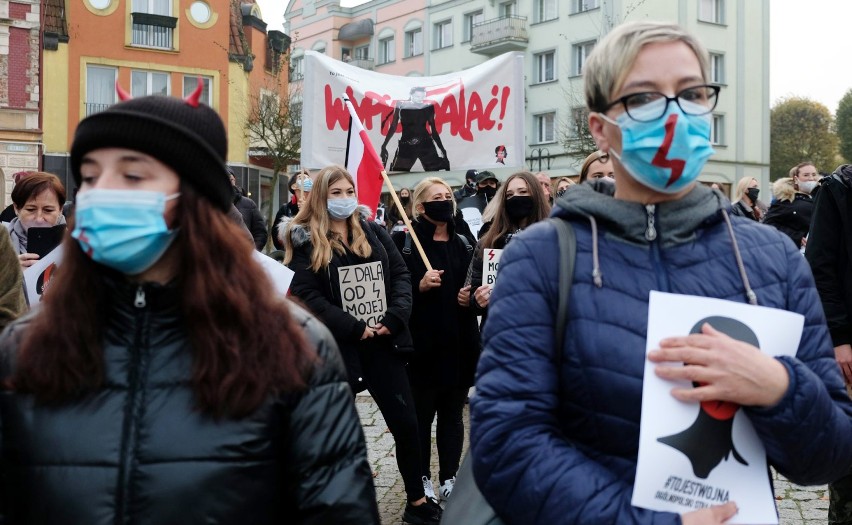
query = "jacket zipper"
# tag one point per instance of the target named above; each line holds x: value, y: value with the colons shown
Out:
x: 128, y: 431
x: 656, y: 255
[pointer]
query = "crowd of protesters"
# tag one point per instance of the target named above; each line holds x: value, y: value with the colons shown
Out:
x: 156, y: 383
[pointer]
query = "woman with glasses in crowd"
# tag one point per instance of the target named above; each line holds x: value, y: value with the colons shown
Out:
x: 560, y: 445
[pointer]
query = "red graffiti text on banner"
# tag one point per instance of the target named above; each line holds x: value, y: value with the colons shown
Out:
x: 460, y: 111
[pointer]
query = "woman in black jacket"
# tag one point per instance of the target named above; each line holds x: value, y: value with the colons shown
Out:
x: 446, y: 338
x: 350, y: 274
x: 792, y: 210
x: 158, y: 384
x: 520, y: 203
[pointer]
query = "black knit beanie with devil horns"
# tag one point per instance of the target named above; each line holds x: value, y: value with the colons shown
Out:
x: 188, y: 137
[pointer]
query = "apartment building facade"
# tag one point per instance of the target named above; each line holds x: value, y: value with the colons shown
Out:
x: 431, y: 37
x: 20, y: 96
x: 161, y: 47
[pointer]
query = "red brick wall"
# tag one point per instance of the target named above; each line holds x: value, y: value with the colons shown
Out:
x: 18, y: 11
x: 19, y: 63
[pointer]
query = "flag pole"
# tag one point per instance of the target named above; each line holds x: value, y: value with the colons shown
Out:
x: 405, y: 219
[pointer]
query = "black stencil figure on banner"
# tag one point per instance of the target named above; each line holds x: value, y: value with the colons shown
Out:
x: 708, y: 440
x: 419, y: 135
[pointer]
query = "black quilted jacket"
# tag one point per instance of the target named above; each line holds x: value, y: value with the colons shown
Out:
x: 138, y: 452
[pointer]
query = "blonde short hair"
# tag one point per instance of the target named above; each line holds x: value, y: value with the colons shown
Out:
x: 742, y: 186
x: 612, y: 57
x: 419, y: 194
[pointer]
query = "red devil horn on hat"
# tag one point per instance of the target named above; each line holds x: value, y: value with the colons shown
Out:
x: 193, y: 98
x: 122, y: 94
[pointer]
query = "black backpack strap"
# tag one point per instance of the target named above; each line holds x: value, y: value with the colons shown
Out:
x: 466, y: 242
x: 567, y: 254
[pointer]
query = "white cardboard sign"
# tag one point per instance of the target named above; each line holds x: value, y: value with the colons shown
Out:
x: 490, y: 265
x: 37, y: 277
x: 693, y: 456
x: 362, y: 290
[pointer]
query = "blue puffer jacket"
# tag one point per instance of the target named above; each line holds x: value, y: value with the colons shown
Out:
x: 545, y: 458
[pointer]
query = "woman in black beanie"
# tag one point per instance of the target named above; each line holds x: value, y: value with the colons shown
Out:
x: 158, y: 384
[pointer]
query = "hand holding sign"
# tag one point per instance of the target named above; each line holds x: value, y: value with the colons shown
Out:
x: 729, y: 370
x: 715, y: 515
x: 27, y: 260
x: 482, y: 295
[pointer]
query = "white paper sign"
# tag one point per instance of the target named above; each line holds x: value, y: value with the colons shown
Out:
x: 490, y: 265
x: 693, y: 456
x: 362, y: 289
x: 37, y: 277
x: 280, y: 275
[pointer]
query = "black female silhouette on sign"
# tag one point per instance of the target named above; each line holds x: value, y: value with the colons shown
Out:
x: 708, y: 440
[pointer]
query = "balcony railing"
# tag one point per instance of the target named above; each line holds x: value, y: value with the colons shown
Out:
x: 153, y: 30
x: 95, y: 107
x: 363, y: 63
x: 498, y: 35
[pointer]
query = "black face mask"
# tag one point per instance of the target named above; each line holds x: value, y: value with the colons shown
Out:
x: 405, y: 199
x: 488, y: 191
x: 752, y: 194
x: 519, y: 207
x: 439, y: 211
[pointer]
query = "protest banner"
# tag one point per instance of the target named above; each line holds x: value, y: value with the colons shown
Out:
x: 695, y: 455
x: 490, y: 265
x: 280, y: 275
x: 362, y: 291
x: 468, y: 119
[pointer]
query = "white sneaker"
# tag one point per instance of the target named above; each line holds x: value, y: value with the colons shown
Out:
x: 429, y: 489
x: 447, y: 488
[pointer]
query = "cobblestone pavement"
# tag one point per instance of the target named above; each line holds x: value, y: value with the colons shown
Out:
x: 796, y: 505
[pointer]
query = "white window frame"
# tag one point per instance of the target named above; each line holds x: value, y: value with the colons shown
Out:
x: 540, y: 73
x: 149, y: 81
x: 581, y: 6
x: 297, y: 68
x: 717, y: 68
x: 361, y: 52
x: 442, y: 34
x: 545, y: 10
x: 106, y: 96
x: 580, y: 54
x: 712, y: 11
x: 544, y: 124
x: 150, y: 7
x: 508, y: 9
x: 470, y: 20
x: 387, y: 50
x: 717, y: 130
x: 190, y: 83
x: 414, y: 42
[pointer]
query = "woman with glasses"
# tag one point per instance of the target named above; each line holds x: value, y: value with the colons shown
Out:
x: 560, y: 444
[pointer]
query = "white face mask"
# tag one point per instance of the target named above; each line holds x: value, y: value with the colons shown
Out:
x: 808, y: 186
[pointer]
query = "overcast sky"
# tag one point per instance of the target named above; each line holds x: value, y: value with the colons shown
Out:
x: 808, y: 48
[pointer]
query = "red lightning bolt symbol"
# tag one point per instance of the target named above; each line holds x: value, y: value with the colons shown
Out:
x: 660, y: 159
x: 490, y: 255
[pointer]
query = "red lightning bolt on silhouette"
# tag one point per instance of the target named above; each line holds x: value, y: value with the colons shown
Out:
x: 660, y: 159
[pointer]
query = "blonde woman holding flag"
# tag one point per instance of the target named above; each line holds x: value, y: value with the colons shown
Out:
x: 350, y: 274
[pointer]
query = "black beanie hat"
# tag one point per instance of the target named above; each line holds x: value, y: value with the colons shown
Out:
x: 190, y: 139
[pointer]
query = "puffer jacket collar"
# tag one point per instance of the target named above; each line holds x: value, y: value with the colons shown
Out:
x: 676, y: 221
x: 127, y: 297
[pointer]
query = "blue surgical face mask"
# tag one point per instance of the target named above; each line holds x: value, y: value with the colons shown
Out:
x: 123, y: 229
x: 668, y: 153
x: 341, y: 209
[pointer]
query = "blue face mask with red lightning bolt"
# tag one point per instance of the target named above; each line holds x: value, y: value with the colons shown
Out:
x: 668, y: 153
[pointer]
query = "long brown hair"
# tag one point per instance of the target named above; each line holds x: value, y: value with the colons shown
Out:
x: 314, y: 217
x: 502, y: 224
x: 245, y: 343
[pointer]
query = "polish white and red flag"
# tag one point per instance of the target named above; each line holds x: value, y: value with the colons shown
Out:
x: 363, y: 163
